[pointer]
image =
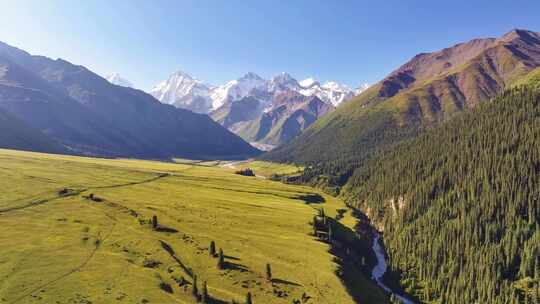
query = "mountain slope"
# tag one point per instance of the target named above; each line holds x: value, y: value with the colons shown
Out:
x: 85, y: 112
x: 290, y: 114
x: 19, y: 136
x: 427, y: 90
x: 459, y: 205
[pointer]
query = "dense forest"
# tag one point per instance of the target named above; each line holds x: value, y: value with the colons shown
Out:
x: 459, y: 205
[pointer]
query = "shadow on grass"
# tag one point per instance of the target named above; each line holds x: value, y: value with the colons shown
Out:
x: 311, y: 198
x: 231, y: 257
x: 166, y: 229
x: 235, y: 266
x: 285, y: 282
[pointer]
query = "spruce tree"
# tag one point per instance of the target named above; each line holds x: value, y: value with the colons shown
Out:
x: 204, y: 295
x: 221, y: 259
x: 154, y: 222
x: 212, y: 249
x: 194, y: 289
x: 268, y: 272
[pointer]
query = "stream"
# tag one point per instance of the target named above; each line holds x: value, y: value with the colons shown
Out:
x: 378, y: 271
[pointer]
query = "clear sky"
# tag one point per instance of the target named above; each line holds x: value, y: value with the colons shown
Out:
x: 351, y: 42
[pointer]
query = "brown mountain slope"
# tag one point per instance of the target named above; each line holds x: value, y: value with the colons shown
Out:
x: 427, y: 89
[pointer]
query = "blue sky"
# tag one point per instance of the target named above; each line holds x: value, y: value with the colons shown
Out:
x: 348, y: 41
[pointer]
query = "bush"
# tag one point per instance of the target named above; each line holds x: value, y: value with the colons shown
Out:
x: 245, y: 172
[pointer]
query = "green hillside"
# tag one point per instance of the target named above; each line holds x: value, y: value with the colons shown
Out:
x: 459, y: 205
x: 79, y: 230
x: 426, y: 91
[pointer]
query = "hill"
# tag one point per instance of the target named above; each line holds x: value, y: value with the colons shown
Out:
x: 459, y: 205
x: 428, y: 90
x: 80, y: 230
x: 91, y: 116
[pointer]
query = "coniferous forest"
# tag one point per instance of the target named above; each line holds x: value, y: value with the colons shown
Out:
x: 460, y: 204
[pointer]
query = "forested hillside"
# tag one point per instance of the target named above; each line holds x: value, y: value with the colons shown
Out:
x: 428, y: 90
x: 460, y: 205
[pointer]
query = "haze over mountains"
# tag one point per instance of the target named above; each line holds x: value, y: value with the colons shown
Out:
x: 69, y: 105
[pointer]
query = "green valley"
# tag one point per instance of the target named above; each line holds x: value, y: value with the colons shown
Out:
x: 85, y: 226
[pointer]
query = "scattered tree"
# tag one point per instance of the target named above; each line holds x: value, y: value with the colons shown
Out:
x: 194, y: 289
x: 221, y: 259
x: 204, y: 295
x: 154, y: 222
x: 212, y: 249
x: 248, y: 298
x: 268, y: 272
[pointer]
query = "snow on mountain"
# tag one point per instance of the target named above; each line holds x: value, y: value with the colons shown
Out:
x: 308, y: 82
x: 283, y: 82
x: 238, y: 89
x: 361, y: 89
x: 330, y: 92
x: 186, y: 92
x: 119, y: 80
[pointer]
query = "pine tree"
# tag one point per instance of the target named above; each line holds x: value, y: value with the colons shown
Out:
x: 194, y: 289
x: 204, y: 296
x: 154, y: 222
x: 221, y: 259
x: 268, y: 272
x: 212, y: 249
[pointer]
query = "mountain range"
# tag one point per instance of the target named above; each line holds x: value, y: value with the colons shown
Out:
x: 252, y: 107
x: 68, y: 108
x: 187, y: 92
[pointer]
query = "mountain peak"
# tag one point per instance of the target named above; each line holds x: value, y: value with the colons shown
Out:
x: 250, y: 76
x: 308, y: 82
x: 525, y: 35
x: 116, y: 79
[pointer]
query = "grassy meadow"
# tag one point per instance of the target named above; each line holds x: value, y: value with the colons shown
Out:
x: 94, y: 242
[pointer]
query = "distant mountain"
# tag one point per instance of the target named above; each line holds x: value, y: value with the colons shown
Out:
x: 430, y: 88
x: 85, y: 113
x: 290, y: 114
x: 119, y: 80
x: 186, y: 92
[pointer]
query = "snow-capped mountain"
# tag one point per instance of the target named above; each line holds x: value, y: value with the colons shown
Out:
x: 330, y: 92
x: 185, y: 91
x: 119, y: 80
x: 233, y: 90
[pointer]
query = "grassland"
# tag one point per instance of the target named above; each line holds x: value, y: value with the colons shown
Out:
x: 66, y: 248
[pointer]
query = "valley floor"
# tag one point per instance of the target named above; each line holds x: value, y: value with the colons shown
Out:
x: 78, y: 230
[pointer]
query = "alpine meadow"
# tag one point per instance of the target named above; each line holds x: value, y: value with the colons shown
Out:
x: 232, y: 152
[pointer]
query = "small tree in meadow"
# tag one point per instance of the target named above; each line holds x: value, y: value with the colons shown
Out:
x: 194, y: 289
x: 268, y: 272
x: 212, y: 249
x: 154, y: 222
x: 248, y: 298
x: 204, y: 295
x: 221, y: 259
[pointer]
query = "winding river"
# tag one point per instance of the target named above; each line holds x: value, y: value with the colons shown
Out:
x: 379, y: 269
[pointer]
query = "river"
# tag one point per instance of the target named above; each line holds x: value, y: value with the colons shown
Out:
x: 378, y: 271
